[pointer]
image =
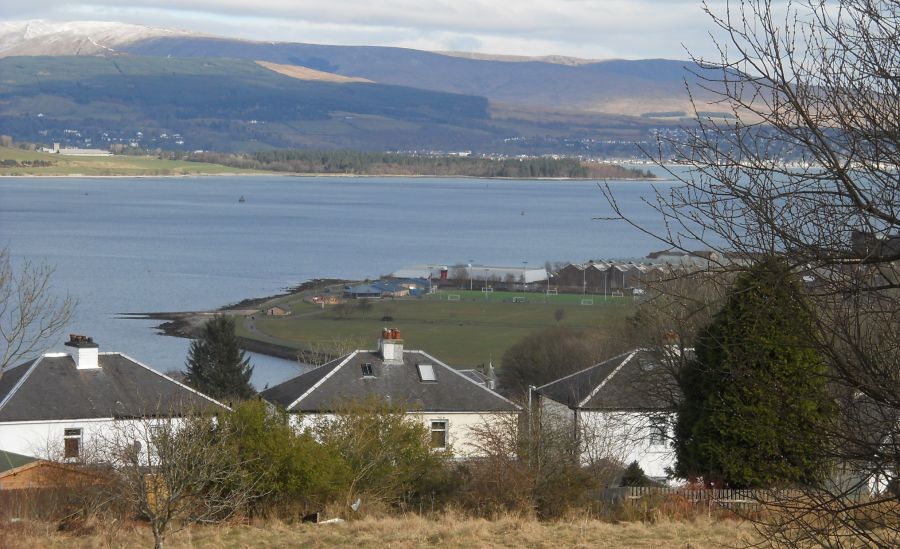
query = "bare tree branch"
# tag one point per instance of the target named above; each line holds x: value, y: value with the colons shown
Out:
x: 30, y: 315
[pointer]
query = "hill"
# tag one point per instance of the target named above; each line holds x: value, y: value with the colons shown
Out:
x: 124, y: 84
x: 222, y: 104
x: 613, y: 87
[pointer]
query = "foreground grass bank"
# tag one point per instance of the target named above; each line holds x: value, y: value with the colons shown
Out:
x: 63, y: 165
x: 445, y: 530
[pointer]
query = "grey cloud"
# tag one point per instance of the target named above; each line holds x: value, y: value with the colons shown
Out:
x: 586, y: 28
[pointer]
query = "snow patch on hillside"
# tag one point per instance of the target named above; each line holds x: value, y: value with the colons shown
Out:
x: 39, y: 37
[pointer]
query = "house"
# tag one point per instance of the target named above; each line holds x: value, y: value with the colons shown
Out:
x: 61, y: 405
x: 622, y: 409
x: 447, y: 401
x: 277, y: 310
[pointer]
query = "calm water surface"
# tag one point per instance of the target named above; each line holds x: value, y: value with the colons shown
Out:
x: 171, y: 244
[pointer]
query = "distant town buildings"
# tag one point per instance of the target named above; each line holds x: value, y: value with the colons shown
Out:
x: 72, y: 151
x: 484, y: 273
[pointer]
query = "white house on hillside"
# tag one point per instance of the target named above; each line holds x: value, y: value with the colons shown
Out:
x: 449, y: 402
x: 621, y: 409
x: 61, y: 405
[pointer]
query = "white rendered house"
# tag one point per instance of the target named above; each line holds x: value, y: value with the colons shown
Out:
x: 449, y: 402
x: 61, y: 405
x: 621, y: 410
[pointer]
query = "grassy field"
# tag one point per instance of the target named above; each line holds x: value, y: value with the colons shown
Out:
x: 106, y: 165
x: 445, y: 531
x: 467, y: 332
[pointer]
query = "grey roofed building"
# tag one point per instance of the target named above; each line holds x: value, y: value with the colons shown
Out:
x: 363, y: 291
x: 621, y: 409
x: 403, y: 376
x: 92, y: 385
x: 638, y: 380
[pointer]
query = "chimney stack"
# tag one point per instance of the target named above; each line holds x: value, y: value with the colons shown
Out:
x: 88, y: 356
x: 391, y: 346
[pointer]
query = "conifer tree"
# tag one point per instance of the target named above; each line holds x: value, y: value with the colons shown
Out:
x: 216, y: 365
x: 755, y: 397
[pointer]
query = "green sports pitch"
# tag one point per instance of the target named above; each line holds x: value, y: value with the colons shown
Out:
x: 464, y: 331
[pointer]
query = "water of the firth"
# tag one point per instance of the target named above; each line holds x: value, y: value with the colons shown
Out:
x: 173, y: 244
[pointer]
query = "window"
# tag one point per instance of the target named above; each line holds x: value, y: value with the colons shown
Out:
x: 426, y: 372
x: 71, y: 443
x: 367, y: 370
x: 658, y: 431
x: 439, y: 434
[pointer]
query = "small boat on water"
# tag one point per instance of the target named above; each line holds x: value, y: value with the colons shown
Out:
x: 242, y: 199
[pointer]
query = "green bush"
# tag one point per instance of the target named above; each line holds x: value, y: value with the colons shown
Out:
x: 388, y: 453
x: 291, y: 470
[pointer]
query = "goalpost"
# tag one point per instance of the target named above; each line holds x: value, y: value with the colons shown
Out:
x: 452, y: 297
x: 587, y: 301
x: 551, y: 291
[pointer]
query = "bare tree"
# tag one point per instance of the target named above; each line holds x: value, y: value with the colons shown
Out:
x: 807, y: 169
x: 30, y: 315
x: 322, y: 351
x: 536, y: 463
x: 176, y: 472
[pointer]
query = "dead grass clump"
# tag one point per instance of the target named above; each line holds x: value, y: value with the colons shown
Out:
x: 442, y: 530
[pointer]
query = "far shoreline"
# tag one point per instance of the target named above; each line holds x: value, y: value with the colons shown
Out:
x: 327, y: 175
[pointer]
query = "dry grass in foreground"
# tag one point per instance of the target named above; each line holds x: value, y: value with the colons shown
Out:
x: 445, y: 530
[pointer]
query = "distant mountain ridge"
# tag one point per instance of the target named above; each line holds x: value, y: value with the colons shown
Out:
x: 246, y: 95
x: 620, y: 87
x: 615, y: 87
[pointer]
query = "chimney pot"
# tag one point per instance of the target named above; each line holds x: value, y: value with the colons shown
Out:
x: 391, y: 346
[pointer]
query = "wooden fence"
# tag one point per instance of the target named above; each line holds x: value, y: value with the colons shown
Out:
x: 709, y: 498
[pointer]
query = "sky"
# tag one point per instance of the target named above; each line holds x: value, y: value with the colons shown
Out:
x: 592, y: 29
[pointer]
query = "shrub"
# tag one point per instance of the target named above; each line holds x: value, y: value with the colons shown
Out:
x: 291, y: 470
x: 388, y: 453
x: 635, y: 476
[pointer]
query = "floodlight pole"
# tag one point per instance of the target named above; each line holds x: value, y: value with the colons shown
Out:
x: 524, y: 266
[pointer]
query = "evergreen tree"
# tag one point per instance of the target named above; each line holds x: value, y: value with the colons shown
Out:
x: 216, y: 365
x: 755, y: 402
x: 634, y: 475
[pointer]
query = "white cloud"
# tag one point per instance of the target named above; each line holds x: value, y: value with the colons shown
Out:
x: 582, y: 28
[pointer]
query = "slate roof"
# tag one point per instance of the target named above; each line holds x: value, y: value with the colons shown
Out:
x: 363, y: 289
x: 476, y: 375
x: 637, y: 380
x: 329, y: 386
x: 52, y: 388
x: 12, y: 460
